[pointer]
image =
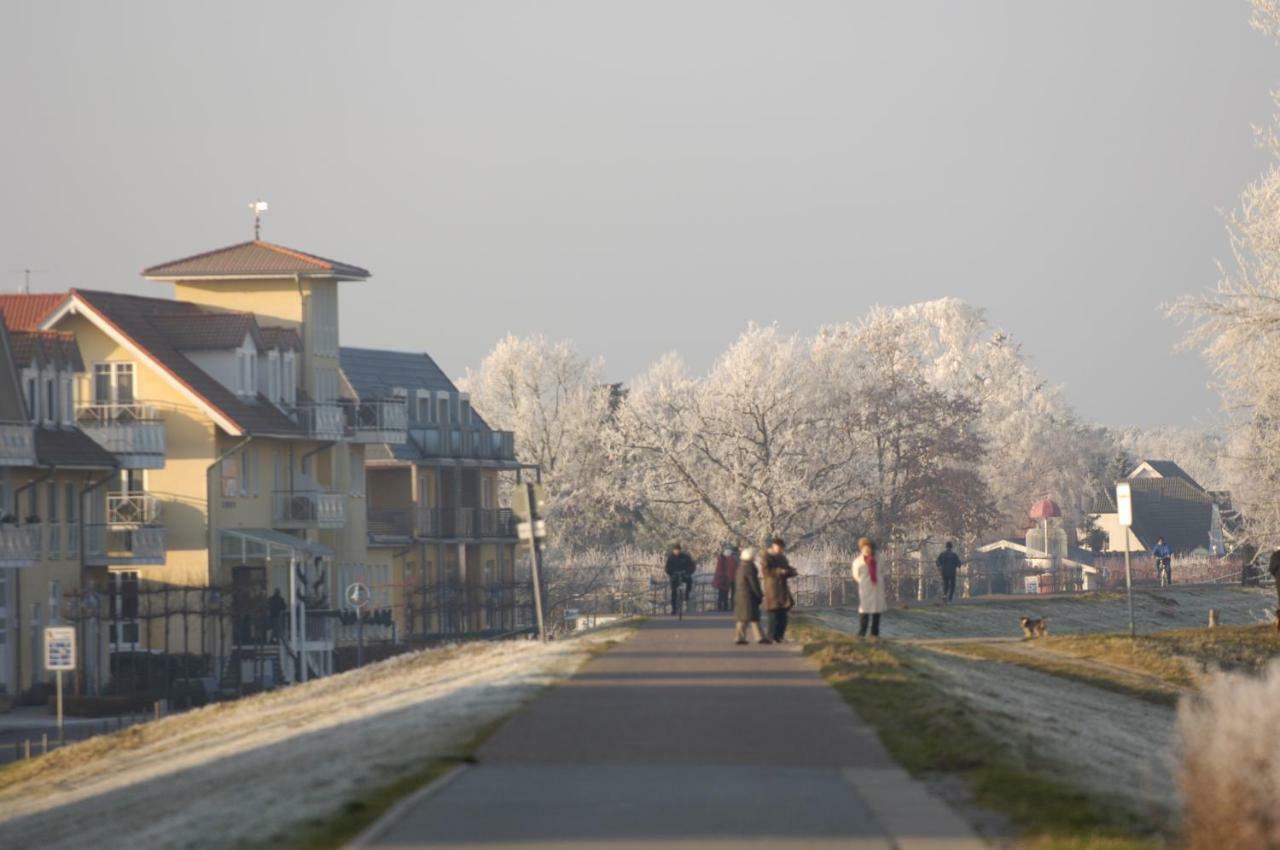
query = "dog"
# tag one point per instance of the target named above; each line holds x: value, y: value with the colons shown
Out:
x: 1034, y: 628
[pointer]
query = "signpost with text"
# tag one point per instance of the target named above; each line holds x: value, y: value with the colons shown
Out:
x: 59, y: 656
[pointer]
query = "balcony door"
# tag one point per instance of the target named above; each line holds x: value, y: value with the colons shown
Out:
x: 113, y: 385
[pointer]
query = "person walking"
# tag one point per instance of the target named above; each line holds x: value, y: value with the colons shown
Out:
x: 871, y: 604
x: 948, y: 564
x: 777, y: 593
x: 679, y: 569
x: 276, y: 606
x: 723, y: 580
x: 747, y: 596
x: 1164, y: 559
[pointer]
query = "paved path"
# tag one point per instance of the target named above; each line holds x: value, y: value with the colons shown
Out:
x: 678, y: 739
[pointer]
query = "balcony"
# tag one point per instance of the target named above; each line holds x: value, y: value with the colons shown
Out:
x: 108, y: 545
x: 321, y: 420
x: 17, y: 444
x: 18, y: 545
x: 391, y: 525
x: 309, y: 509
x: 132, y: 508
x: 466, y: 524
x: 134, y: 433
x: 465, y: 443
x: 377, y: 421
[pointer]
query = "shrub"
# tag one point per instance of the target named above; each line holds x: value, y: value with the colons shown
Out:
x: 1230, y: 773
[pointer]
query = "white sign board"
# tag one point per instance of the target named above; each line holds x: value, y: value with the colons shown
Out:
x: 1124, y: 504
x: 357, y: 595
x: 60, y: 648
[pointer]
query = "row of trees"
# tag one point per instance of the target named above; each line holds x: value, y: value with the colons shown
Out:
x: 914, y: 421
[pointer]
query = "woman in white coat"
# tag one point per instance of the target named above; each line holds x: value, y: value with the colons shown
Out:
x: 866, y: 572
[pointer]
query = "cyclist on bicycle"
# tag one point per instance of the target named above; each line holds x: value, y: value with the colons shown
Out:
x: 1164, y: 559
x: 679, y: 569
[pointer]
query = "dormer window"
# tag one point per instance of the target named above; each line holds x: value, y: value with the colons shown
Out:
x: 273, y: 376
x: 290, y: 377
x: 51, y: 399
x: 33, y: 399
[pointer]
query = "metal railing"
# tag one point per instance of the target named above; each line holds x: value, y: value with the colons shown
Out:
x: 465, y: 523
x: 17, y: 444
x: 309, y: 509
x: 132, y: 508
x: 471, y: 443
x: 322, y: 420
x: 108, y: 544
x: 378, y: 420
x: 18, y: 544
x: 394, y: 523
x: 128, y: 430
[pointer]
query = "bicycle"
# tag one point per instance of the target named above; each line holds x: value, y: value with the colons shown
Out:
x: 680, y: 600
x: 1164, y: 570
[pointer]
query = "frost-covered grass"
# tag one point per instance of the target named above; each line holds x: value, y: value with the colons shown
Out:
x: 270, y: 769
x: 1230, y: 772
x: 932, y: 734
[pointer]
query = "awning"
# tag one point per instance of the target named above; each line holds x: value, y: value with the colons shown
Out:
x: 267, y: 542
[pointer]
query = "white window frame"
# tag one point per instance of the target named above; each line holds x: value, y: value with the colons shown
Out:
x: 114, y: 370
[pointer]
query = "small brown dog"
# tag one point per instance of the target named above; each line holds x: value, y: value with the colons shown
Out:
x: 1034, y: 628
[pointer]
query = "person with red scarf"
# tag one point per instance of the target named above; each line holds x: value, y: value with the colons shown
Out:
x: 723, y: 581
x: 870, y: 579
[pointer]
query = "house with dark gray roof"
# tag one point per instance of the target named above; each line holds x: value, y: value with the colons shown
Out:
x: 1168, y: 503
x: 434, y: 511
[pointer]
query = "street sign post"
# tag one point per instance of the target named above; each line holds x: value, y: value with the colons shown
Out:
x: 59, y: 656
x: 358, y: 596
x: 1124, y: 513
x: 526, y: 502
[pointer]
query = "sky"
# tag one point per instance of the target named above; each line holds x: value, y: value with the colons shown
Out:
x: 651, y: 176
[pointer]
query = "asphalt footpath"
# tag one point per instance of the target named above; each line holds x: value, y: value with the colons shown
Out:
x: 677, y: 738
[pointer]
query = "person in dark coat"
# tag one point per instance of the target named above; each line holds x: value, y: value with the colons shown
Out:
x: 723, y: 580
x: 948, y: 564
x: 679, y: 569
x: 747, y: 596
x: 276, y: 606
x: 777, y: 594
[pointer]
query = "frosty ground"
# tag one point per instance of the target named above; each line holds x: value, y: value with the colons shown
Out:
x: 1116, y: 745
x: 246, y: 773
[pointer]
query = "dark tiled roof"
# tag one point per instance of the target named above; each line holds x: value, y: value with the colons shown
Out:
x: 253, y: 258
x: 373, y: 373
x: 285, y: 339
x: 1169, y: 469
x: 143, y: 320
x: 26, y: 312
x: 208, y: 331
x: 70, y: 447
x: 1171, y: 508
x: 54, y: 348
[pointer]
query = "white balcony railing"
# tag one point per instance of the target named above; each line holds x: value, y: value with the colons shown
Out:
x: 452, y: 441
x: 309, y: 509
x: 378, y: 420
x: 17, y: 444
x: 322, y: 420
x: 135, y: 433
x: 132, y: 508
x: 140, y: 545
x: 18, y: 547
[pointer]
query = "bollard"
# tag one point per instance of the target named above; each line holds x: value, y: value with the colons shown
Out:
x: 26, y: 748
x: 44, y: 744
x: 1213, y: 618
x: 157, y: 708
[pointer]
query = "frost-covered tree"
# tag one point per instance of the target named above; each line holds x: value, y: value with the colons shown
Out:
x: 561, y: 409
x: 1236, y: 325
x: 1198, y: 451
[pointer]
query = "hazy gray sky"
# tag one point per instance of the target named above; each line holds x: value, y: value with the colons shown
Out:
x: 650, y: 176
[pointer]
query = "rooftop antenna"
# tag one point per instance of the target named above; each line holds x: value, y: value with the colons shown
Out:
x: 259, y: 207
x: 25, y: 286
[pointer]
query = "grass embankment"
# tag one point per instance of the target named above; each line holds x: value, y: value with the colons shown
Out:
x: 1154, y: 667
x: 929, y: 733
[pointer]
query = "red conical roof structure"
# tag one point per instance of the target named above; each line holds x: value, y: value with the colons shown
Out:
x: 1045, y: 508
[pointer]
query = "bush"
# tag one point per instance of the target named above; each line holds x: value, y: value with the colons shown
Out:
x: 1231, y: 763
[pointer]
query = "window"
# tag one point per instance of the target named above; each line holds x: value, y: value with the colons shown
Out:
x: 68, y: 402
x: 113, y: 383
x: 290, y: 377
x: 123, y: 590
x: 51, y: 399
x: 231, y: 480
x: 273, y: 376
x: 242, y: 372
x: 464, y: 414
x: 486, y: 493
x: 252, y: 387
x: 51, y: 519
x: 72, y: 503
x: 33, y: 400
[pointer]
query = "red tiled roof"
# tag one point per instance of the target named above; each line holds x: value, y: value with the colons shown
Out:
x: 252, y: 259
x: 25, y: 312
